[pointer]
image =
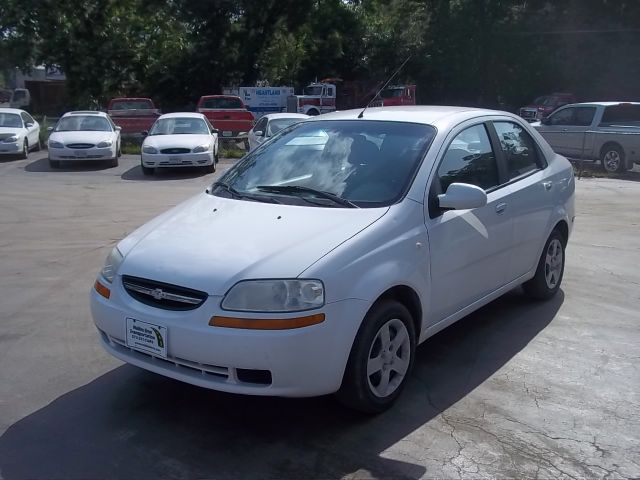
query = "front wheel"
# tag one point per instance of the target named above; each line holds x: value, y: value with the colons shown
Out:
x: 546, y: 282
x: 25, y: 150
x: 114, y: 162
x: 381, y: 359
x: 211, y: 168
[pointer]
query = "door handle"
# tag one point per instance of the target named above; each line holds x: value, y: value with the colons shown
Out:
x: 547, y: 185
x: 500, y: 208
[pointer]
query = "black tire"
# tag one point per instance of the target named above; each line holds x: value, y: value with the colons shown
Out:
x: 211, y: 168
x: 539, y: 288
x: 356, y: 391
x: 246, y: 145
x: 54, y: 163
x: 113, y: 162
x: 25, y: 150
x: 147, y: 170
x: 119, y: 150
x: 217, y: 158
x: 612, y: 159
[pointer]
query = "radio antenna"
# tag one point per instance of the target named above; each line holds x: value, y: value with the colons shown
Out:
x: 385, y: 85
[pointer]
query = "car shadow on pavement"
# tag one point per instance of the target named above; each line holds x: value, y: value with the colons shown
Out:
x: 132, y: 424
x: 42, y: 165
x: 135, y: 173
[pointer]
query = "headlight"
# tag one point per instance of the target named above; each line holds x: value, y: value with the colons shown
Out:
x: 54, y: 144
x: 11, y: 139
x: 202, y: 148
x: 105, y: 144
x: 111, y: 265
x: 275, y: 296
x: 149, y: 149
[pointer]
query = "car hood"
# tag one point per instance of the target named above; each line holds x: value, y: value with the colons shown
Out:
x: 81, y: 137
x: 177, y: 141
x: 210, y: 243
x: 8, y: 131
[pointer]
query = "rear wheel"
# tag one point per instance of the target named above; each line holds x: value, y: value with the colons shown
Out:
x: 546, y: 282
x: 381, y: 359
x: 613, y: 159
x: 147, y: 170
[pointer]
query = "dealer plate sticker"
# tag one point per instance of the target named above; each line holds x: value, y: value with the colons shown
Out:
x: 147, y: 337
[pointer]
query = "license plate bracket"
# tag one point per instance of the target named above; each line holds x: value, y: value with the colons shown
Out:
x: 147, y: 337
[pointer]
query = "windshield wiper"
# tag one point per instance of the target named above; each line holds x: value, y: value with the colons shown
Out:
x: 236, y: 194
x: 294, y: 189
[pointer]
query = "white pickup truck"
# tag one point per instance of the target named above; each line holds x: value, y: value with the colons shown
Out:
x: 608, y: 132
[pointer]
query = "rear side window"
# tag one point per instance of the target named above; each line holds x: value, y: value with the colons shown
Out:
x: 584, y: 116
x: 469, y: 159
x: 519, y: 149
x: 622, y: 115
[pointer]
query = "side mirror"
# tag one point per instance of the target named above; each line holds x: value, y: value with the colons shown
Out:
x: 258, y: 133
x: 462, y: 196
x: 144, y: 133
x: 214, y: 130
x: 28, y: 125
x: 49, y: 129
x: 545, y: 121
x: 118, y: 128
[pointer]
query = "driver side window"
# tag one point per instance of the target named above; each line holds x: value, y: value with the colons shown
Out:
x: 469, y: 159
x: 562, y: 117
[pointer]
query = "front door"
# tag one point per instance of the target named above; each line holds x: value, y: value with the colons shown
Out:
x: 469, y: 249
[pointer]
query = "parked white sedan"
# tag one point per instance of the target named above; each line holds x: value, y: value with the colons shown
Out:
x: 270, y: 124
x: 309, y: 269
x: 19, y: 132
x: 180, y: 140
x: 84, y: 135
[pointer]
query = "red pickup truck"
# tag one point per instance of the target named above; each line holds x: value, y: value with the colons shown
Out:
x: 228, y: 114
x: 133, y: 115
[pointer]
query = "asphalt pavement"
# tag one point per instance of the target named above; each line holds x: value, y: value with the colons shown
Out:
x: 516, y: 390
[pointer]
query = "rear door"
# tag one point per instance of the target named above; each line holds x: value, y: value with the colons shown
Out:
x: 531, y: 195
x: 469, y: 249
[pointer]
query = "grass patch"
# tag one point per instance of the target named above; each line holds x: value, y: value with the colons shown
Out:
x: 226, y: 152
x: 131, y: 146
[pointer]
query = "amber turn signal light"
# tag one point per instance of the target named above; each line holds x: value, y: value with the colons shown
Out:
x: 267, y: 323
x: 102, y: 290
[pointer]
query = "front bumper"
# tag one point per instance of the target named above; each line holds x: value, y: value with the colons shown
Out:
x: 302, y: 362
x: 153, y: 160
x: 10, y: 148
x: 81, y: 154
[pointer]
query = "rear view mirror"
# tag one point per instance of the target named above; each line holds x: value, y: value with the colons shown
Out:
x: 462, y: 196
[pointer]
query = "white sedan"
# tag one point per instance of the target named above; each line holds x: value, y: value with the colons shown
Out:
x: 310, y: 269
x: 270, y: 124
x: 19, y: 132
x: 180, y: 140
x: 84, y: 135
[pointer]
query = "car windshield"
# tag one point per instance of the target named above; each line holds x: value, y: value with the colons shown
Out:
x: 546, y: 101
x: 222, y: 103
x: 391, y: 92
x: 346, y: 162
x: 11, y: 120
x: 179, y: 126
x: 313, y: 90
x: 132, y: 105
x: 84, y: 123
x: 278, y: 124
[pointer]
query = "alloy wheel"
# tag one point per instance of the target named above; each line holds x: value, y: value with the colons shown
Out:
x: 389, y: 358
x: 553, y: 263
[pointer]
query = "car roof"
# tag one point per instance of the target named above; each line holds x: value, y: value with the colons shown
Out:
x: 204, y: 97
x: 12, y: 110
x: 428, y: 115
x: 601, y: 104
x: 85, y: 112
x: 183, y: 115
x: 273, y: 116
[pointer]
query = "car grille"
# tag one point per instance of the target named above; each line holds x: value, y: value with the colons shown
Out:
x: 175, y: 151
x: 163, y: 295
x: 80, y: 145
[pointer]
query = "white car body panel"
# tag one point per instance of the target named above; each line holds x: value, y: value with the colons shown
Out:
x: 454, y: 263
x: 31, y: 134
x: 255, y: 141
x: 180, y: 141
x: 84, y: 137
